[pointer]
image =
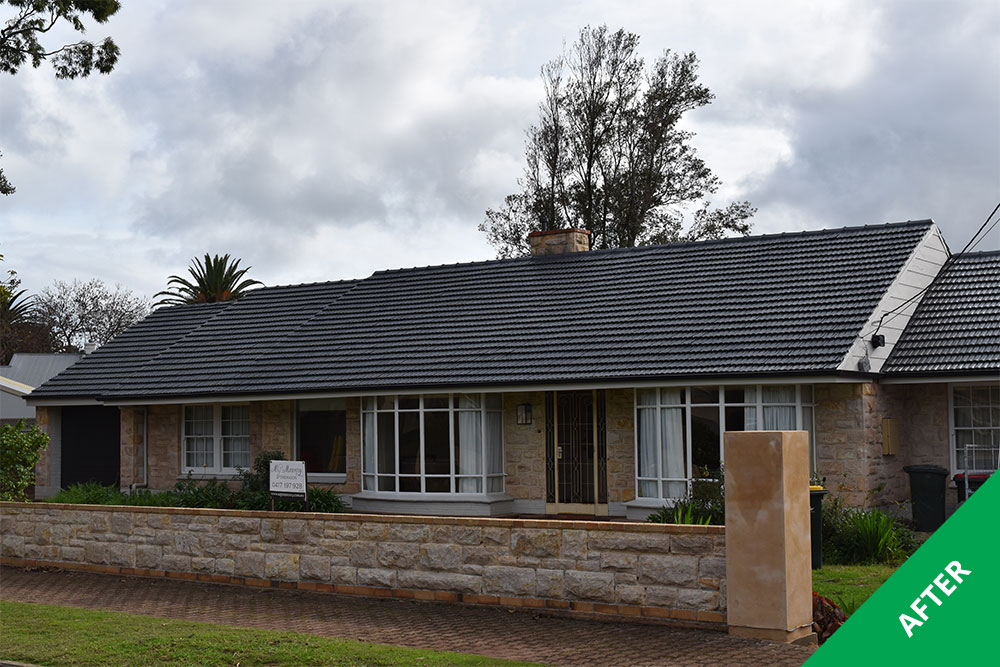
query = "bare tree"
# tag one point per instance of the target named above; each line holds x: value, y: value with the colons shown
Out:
x: 81, y: 312
x: 608, y: 156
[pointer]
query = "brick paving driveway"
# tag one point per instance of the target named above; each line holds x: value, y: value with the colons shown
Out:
x: 446, y: 627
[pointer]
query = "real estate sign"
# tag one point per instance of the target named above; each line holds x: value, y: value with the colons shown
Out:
x: 288, y: 479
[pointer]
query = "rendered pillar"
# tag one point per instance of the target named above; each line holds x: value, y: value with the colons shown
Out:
x: 768, y: 569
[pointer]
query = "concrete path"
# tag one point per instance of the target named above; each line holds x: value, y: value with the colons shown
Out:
x: 445, y: 627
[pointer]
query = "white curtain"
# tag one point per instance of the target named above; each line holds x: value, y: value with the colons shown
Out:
x: 470, y: 451
x: 672, y: 432
x: 779, y: 418
x: 494, y: 451
x: 750, y: 418
x: 647, y: 452
x: 369, y: 446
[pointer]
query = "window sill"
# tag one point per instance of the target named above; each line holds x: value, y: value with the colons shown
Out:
x: 433, y: 504
x: 220, y: 475
x: 433, y: 497
x: 326, y: 477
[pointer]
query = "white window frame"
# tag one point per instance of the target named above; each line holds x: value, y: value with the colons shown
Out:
x: 722, y: 405
x: 217, y: 438
x: 953, y: 428
x: 485, y: 476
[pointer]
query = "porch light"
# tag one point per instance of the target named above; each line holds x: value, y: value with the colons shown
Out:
x: 524, y: 414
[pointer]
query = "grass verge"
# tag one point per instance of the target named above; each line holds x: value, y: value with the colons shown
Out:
x: 50, y: 635
x: 850, y: 585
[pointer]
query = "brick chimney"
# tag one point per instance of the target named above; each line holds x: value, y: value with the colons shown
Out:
x: 559, y: 241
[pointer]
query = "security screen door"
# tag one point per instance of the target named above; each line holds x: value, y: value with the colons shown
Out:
x: 576, y: 456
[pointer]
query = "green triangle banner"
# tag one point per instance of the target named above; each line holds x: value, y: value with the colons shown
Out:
x: 942, y: 606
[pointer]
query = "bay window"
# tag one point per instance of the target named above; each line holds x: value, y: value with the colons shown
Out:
x: 433, y: 443
x: 216, y: 438
x: 679, y: 430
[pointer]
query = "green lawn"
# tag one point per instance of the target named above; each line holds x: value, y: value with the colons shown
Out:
x: 850, y: 585
x: 50, y: 635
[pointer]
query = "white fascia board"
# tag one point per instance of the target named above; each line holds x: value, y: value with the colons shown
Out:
x: 15, y: 388
x: 923, y: 264
x: 628, y: 384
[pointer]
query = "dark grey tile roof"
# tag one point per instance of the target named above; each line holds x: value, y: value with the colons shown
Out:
x: 956, y: 327
x: 778, y: 304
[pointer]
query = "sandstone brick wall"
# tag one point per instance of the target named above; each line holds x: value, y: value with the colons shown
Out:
x: 625, y: 569
x: 621, y: 444
x: 524, y: 447
x: 849, y: 438
x: 132, y: 427
x: 43, y: 469
x: 163, y: 445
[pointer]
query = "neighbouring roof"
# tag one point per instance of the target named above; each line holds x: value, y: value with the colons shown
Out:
x: 764, y: 305
x: 26, y: 371
x: 956, y: 328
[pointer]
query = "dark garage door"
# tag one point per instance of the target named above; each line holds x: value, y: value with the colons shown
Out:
x: 90, y: 444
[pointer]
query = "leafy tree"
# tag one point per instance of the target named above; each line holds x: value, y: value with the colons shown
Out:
x: 80, y: 312
x: 607, y: 154
x: 215, y: 279
x: 20, y: 41
x: 20, y: 449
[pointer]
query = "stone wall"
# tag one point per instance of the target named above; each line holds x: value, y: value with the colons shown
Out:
x: 524, y: 448
x: 45, y: 482
x: 621, y: 444
x: 637, y: 570
x: 849, y: 438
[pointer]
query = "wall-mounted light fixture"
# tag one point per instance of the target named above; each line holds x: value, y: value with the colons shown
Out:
x: 878, y: 340
x: 524, y: 414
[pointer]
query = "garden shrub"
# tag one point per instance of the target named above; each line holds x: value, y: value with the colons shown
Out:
x: 854, y: 536
x: 253, y: 493
x: 705, y: 502
x: 21, y: 447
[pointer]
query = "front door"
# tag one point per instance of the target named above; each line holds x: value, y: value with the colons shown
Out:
x: 576, y: 457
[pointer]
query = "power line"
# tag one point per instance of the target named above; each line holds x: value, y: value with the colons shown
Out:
x: 973, y: 242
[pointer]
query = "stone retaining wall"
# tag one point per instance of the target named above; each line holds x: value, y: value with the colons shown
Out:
x: 624, y: 569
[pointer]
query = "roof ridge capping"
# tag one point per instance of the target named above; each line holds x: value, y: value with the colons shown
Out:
x: 925, y: 222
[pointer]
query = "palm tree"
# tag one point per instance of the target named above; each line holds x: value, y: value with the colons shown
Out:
x: 215, y: 279
x: 13, y: 311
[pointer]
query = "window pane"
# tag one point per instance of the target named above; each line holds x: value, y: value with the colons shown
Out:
x: 781, y: 393
x: 963, y: 417
x: 469, y: 484
x: 437, y: 485
x: 494, y: 401
x: 494, y: 485
x: 807, y: 425
x: 386, y: 483
x: 468, y: 401
x: 980, y: 416
x: 386, y: 444
x: 806, y: 392
x: 386, y: 402
x: 368, y: 403
x: 409, y: 484
x: 779, y: 418
x: 437, y: 444
x: 705, y: 395
x: 494, y: 443
x: 741, y: 394
x: 468, y: 449
x: 672, y: 396
x: 236, y: 452
x: 199, y: 452
x: 647, y: 444
x: 409, y: 402
x: 673, y: 453
x: 322, y: 434
x: 646, y: 397
x: 962, y: 397
x: 368, y: 438
x: 409, y: 443
x: 369, y: 482
x: 705, y: 439
x: 736, y: 418
x: 436, y: 401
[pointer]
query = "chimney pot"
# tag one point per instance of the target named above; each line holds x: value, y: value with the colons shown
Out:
x: 89, y: 347
x: 559, y: 241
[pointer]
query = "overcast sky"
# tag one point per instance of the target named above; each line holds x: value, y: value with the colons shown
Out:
x: 322, y: 140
